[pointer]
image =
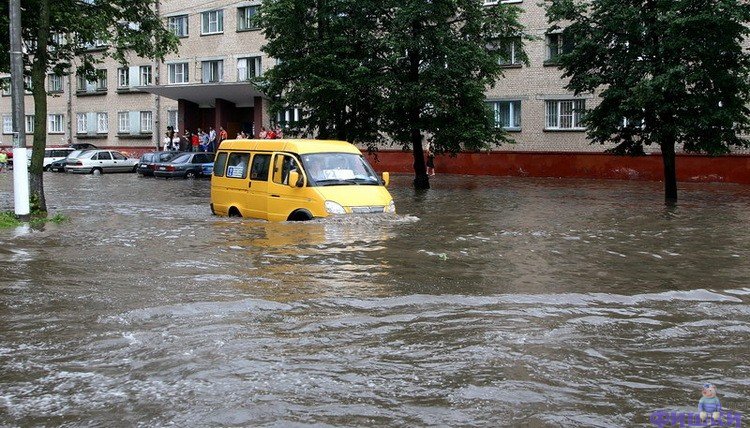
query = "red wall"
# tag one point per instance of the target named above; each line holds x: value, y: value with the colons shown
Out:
x: 734, y: 169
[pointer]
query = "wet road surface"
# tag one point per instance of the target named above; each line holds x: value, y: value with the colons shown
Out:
x: 484, y: 302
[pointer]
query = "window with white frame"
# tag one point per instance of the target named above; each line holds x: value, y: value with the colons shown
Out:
x: 101, y: 80
x: 123, y: 122
x: 54, y: 83
x: 102, y: 123
x: 27, y: 86
x: 55, y: 124
x: 507, y: 114
x: 178, y: 25
x: 172, y: 118
x: 123, y: 77
x: 7, y: 124
x: 245, y: 18
x: 564, y: 114
x: 147, y: 120
x: 510, y: 51
x: 29, y: 124
x: 213, y: 71
x: 5, y: 86
x: 288, y: 116
x: 212, y: 22
x: 178, y: 72
x: 145, y: 74
x: 249, y: 67
x: 82, y: 123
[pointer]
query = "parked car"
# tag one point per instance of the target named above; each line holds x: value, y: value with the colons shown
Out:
x: 52, y: 154
x: 83, y: 146
x: 207, y: 169
x: 148, y: 161
x: 100, y: 161
x: 59, y: 165
x: 185, y: 165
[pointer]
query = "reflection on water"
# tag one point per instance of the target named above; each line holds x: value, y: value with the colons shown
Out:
x: 485, y: 301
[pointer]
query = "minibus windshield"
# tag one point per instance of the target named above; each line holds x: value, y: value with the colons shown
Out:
x: 335, y: 169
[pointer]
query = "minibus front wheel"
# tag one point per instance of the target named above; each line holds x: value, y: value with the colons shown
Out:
x: 300, y: 215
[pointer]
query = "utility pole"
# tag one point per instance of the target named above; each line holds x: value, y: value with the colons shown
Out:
x: 20, y: 155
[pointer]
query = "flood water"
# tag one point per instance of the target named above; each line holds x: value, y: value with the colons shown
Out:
x: 484, y: 302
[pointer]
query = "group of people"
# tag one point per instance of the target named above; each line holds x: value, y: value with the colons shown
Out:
x: 198, y: 141
x: 271, y: 133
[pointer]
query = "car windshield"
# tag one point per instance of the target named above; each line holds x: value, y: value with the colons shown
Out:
x: 147, y: 157
x: 330, y: 169
x: 184, y: 158
x: 166, y: 157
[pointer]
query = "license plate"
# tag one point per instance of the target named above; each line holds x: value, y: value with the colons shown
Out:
x: 162, y: 168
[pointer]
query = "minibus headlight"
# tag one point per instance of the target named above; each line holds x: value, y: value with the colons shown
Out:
x: 390, y: 208
x: 334, y: 208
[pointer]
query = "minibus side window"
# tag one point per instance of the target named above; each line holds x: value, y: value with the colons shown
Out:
x: 237, y: 165
x: 259, y: 170
x: 219, y: 164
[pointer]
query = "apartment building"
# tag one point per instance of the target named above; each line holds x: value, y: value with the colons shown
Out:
x: 206, y: 84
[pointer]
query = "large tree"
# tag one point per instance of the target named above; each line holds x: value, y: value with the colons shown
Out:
x: 668, y: 72
x: 59, y: 36
x: 410, y: 70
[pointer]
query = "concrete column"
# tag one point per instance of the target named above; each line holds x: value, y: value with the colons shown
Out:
x: 188, y: 116
x: 260, y: 115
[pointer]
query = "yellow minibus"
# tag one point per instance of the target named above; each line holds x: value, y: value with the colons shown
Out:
x: 295, y: 180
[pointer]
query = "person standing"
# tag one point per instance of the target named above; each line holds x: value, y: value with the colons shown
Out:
x: 176, y: 141
x: 204, y: 141
x: 430, y: 160
x: 263, y: 133
x: 279, y: 132
x: 3, y: 160
x: 222, y: 136
x: 195, y: 142
x: 167, y: 142
x: 211, y: 138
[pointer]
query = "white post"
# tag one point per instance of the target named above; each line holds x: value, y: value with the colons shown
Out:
x: 20, y: 155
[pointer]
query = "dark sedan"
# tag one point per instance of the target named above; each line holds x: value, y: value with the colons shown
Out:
x: 148, y: 161
x: 185, y: 165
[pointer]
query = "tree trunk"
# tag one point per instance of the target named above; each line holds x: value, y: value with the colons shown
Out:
x: 670, y: 173
x: 421, y: 180
x: 39, y: 91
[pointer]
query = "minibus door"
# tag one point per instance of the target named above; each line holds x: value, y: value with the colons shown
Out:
x: 283, y: 199
x: 257, y: 201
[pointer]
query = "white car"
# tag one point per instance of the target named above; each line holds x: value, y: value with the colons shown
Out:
x: 53, y: 154
x: 100, y: 161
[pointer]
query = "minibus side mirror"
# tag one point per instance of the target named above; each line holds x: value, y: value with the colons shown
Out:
x: 296, y: 179
x: 386, y: 179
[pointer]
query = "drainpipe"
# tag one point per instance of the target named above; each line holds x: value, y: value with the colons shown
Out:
x: 157, y: 100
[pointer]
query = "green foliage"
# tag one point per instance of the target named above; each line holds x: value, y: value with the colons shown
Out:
x: 365, y: 69
x: 8, y: 219
x: 675, y: 69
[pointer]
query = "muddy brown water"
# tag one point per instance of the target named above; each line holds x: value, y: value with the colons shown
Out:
x: 484, y: 302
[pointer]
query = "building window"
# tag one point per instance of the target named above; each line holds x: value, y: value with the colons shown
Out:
x: 54, y: 83
x: 7, y: 124
x: 80, y: 83
x: 178, y: 73
x: 29, y: 124
x: 123, y: 77
x: 288, y: 116
x: 55, y: 123
x: 245, y: 18
x: 556, y: 46
x: 102, y: 125
x: 212, y: 22
x: 507, y: 114
x: 178, y: 25
x: 101, y: 80
x: 172, y: 118
x: 82, y: 123
x: 27, y: 86
x: 5, y: 86
x: 123, y: 122
x: 510, y: 51
x: 145, y: 74
x: 247, y: 68
x: 564, y: 114
x: 213, y: 71
x: 146, y: 121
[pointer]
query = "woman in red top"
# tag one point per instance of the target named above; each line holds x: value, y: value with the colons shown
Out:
x: 195, y: 141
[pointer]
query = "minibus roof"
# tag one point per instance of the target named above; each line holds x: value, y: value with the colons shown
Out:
x: 299, y: 146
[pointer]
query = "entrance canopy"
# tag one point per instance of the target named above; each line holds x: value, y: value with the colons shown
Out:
x: 241, y: 94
